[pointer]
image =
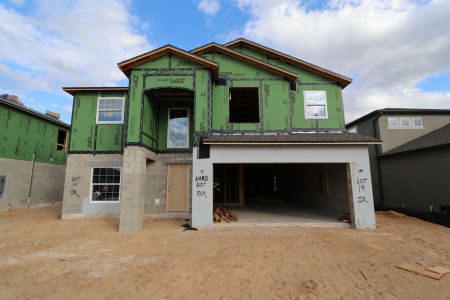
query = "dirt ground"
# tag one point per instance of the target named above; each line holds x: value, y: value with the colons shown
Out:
x: 46, y: 258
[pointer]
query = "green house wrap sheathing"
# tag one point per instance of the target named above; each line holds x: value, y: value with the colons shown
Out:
x: 22, y: 135
x: 165, y: 72
x: 308, y: 81
x: 87, y: 136
x: 281, y: 102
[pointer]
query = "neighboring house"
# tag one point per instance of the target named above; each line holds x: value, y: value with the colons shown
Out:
x: 237, y: 125
x: 32, y: 155
x: 410, y: 169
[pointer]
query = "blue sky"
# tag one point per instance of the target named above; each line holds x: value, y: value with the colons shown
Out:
x: 397, y: 52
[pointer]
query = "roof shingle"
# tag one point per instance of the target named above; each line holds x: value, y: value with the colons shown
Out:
x: 342, y: 137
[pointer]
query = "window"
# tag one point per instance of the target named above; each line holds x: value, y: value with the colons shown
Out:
x: 110, y: 110
x: 244, y: 105
x: 105, y: 184
x: 417, y: 122
x: 178, y: 128
x: 61, y: 144
x: 315, y: 104
x: 2, y: 185
x: 393, y: 122
x: 404, y: 122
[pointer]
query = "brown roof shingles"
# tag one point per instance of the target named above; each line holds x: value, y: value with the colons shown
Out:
x: 343, y: 137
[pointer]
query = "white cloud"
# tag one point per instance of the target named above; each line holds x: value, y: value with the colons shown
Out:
x: 61, y: 43
x: 386, y: 46
x: 209, y: 7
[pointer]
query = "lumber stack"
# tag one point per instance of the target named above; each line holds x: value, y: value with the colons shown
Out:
x: 224, y: 215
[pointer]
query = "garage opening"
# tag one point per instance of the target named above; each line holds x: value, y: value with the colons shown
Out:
x: 283, y: 193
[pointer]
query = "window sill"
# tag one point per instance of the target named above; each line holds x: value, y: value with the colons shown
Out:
x: 316, y: 118
x: 108, y: 122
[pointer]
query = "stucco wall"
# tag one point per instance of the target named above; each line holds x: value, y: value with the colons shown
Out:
x: 47, y: 187
x: 414, y: 181
x: 394, y: 137
x: 356, y: 157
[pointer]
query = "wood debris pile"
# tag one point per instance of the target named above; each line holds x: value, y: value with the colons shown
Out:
x: 224, y: 215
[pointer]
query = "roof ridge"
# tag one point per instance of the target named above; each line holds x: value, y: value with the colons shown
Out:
x: 251, y: 58
x: 345, y: 80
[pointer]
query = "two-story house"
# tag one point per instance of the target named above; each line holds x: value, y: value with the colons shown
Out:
x: 33, y: 155
x: 238, y: 125
x: 410, y: 169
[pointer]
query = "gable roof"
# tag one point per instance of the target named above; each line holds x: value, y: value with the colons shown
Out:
x: 74, y: 90
x: 343, y: 80
x: 32, y: 112
x: 342, y: 137
x: 405, y: 111
x: 128, y: 64
x: 246, y: 58
x: 436, y: 138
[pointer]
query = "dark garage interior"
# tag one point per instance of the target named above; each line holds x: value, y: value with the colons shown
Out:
x: 283, y: 193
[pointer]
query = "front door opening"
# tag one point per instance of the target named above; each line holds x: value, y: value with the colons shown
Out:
x: 177, y: 188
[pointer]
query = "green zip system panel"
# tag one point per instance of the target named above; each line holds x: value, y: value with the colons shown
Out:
x: 87, y: 135
x: 23, y: 134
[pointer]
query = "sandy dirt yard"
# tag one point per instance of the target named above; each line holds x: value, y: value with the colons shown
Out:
x: 42, y: 257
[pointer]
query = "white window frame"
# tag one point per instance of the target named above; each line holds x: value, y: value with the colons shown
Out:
x: 401, y: 124
x: 110, y: 122
x: 393, y: 118
x: 421, y: 122
x: 306, y: 105
x: 92, y: 185
x: 168, y: 128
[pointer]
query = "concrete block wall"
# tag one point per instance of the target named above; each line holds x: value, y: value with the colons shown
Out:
x: 47, y: 187
x: 156, y: 181
x: 77, y: 185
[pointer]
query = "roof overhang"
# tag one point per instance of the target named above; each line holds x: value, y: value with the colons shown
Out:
x: 74, y: 90
x: 127, y: 65
x: 290, y: 143
x: 299, y: 138
x: 342, y: 80
x: 213, y: 47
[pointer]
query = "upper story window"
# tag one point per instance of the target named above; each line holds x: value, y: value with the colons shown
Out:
x: 417, y: 122
x: 62, y: 138
x: 110, y: 110
x: 178, y: 128
x: 393, y: 122
x: 315, y: 104
x: 405, y: 122
x: 244, y: 105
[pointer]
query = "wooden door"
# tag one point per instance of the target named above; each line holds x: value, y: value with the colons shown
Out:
x: 177, y: 188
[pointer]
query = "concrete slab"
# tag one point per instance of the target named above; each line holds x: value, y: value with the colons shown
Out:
x: 280, y: 214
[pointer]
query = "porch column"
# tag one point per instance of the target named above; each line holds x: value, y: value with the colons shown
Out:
x: 360, y: 194
x: 133, y: 188
x: 202, y: 192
